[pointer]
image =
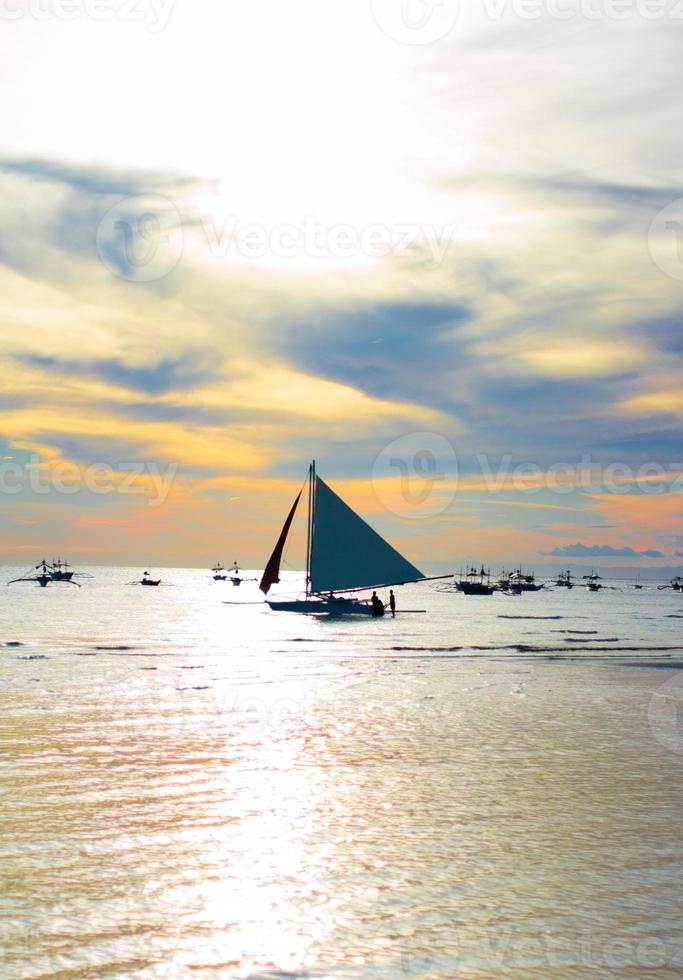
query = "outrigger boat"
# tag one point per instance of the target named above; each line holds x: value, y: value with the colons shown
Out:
x: 514, y: 583
x: 475, y: 582
x: 592, y: 582
x: 219, y: 572
x: 46, y: 575
x: 146, y: 580
x: 236, y: 576
x: 508, y: 583
x: 676, y: 584
x: 343, y: 555
x: 564, y: 580
x: 527, y: 583
x: 61, y: 571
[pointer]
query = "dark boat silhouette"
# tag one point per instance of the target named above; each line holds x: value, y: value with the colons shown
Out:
x: 475, y: 582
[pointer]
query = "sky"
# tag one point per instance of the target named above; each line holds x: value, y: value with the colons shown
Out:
x: 437, y: 247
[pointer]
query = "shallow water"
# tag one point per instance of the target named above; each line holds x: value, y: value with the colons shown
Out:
x: 190, y: 788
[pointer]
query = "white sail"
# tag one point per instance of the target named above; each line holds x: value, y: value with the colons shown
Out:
x: 347, y: 554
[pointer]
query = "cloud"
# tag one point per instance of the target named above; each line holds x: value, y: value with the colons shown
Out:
x: 153, y: 379
x: 383, y: 348
x: 601, y: 551
x: 93, y: 180
x: 53, y: 214
x: 547, y: 331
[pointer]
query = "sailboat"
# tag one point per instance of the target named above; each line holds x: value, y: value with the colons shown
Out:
x: 343, y: 555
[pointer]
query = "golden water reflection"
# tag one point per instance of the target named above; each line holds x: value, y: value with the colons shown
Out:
x: 313, y: 802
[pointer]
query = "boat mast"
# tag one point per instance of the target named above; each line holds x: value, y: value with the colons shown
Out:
x: 309, y: 530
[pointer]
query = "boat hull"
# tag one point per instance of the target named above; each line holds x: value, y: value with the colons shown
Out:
x: 332, y: 607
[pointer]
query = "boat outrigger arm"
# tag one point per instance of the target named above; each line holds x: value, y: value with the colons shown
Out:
x: 343, y: 555
x: 44, y: 577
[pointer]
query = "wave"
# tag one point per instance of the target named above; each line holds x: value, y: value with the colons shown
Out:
x: 503, y: 616
x: 533, y: 648
x: 582, y: 632
x: 601, y: 639
x: 115, y: 648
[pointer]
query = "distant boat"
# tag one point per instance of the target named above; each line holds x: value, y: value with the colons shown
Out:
x: 475, y: 583
x: 564, y: 580
x: 508, y: 583
x: 676, y: 584
x: 45, y: 575
x: 527, y: 582
x: 146, y: 580
x: 343, y: 555
x: 61, y: 571
x: 517, y: 582
x: 636, y: 584
x: 219, y: 572
x: 592, y: 582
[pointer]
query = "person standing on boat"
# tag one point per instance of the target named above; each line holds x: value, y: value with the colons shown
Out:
x: 377, y: 605
x: 392, y: 603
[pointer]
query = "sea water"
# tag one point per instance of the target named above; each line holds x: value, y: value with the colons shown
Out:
x: 191, y: 788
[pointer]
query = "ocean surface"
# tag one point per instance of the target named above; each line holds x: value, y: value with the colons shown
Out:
x: 195, y: 789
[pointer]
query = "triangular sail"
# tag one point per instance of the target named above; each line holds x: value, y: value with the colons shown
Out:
x: 347, y: 554
x: 271, y: 574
